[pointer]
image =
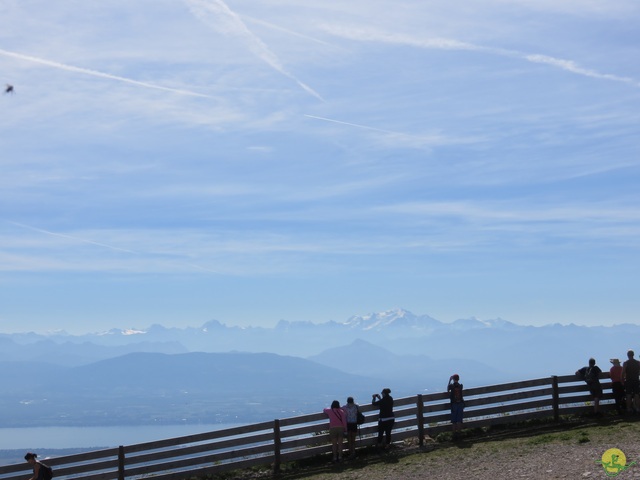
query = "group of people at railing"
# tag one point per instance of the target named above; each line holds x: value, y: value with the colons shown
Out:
x: 625, y: 383
x: 345, y: 420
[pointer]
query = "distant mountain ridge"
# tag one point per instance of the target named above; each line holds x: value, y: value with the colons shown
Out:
x: 152, y: 388
x: 226, y: 373
x: 421, y: 372
x: 399, y: 319
x: 499, y: 345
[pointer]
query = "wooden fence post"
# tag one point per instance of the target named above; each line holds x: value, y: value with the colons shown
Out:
x: 277, y: 443
x: 420, y: 416
x: 556, y: 398
x: 120, y: 462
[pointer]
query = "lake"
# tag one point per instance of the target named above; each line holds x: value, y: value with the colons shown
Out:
x: 34, y: 438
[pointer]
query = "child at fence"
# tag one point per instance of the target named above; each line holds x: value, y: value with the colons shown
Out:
x: 454, y: 388
x: 337, y: 426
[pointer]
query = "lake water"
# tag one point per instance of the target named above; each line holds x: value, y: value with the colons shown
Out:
x: 34, y: 438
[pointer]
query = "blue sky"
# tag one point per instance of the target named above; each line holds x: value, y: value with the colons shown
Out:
x: 180, y: 161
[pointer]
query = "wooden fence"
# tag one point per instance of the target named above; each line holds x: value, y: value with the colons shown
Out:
x: 276, y: 442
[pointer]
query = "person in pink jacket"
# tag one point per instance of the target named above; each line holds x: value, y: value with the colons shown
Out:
x: 337, y: 426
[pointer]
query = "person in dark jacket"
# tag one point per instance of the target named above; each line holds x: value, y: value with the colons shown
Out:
x: 591, y: 375
x: 631, y: 378
x: 386, y: 419
x: 454, y: 388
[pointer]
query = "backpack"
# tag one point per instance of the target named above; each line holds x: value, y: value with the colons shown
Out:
x: 48, y: 471
x: 591, y: 375
x: 456, y: 393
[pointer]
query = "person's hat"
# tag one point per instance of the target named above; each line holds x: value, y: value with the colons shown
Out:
x: 615, y: 361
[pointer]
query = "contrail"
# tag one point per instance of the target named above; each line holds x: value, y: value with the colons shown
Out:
x: 356, y: 125
x: 95, y: 73
x: 286, y: 30
x: 430, y: 139
x: 571, y: 66
x: 218, y: 15
x: 368, y: 35
x: 104, y: 245
x: 77, y: 239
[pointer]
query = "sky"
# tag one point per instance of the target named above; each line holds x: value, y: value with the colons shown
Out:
x: 179, y: 161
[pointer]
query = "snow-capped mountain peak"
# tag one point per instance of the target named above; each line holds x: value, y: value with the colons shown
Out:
x: 391, y: 319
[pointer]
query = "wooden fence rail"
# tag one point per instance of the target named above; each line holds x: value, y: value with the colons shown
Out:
x: 295, y: 438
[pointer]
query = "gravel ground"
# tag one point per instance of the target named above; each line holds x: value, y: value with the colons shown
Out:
x: 565, y: 451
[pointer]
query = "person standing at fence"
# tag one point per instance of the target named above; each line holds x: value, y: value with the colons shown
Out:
x: 351, y: 409
x: 386, y: 418
x: 591, y: 375
x: 337, y: 426
x: 454, y: 388
x: 617, y: 386
x: 631, y: 378
x: 40, y: 470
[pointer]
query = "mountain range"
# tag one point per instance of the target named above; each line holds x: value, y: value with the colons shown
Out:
x: 232, y: 374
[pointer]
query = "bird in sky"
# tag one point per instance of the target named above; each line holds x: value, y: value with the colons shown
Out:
x: 8, y: 88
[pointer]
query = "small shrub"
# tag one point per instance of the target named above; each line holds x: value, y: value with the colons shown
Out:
x: 583, y: 437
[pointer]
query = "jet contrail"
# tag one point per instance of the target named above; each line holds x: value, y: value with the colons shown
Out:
x: 218, y: 15
x: 286, y: 30
x: 356, y: 125
x: 77, y: 239
x: 424, y: 140
x: 95, y: 73
x: 571, y: 66
x: 110, y: 247
x: 433, y: 139
x: 369, y: 35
